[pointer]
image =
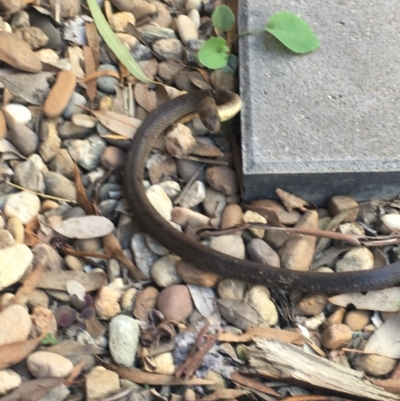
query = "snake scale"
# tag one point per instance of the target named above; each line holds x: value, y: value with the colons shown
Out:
x: 204, y: 257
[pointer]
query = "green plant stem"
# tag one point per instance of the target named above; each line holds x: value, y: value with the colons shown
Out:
x: 251, y: 32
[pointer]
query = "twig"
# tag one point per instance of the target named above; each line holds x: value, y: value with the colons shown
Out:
x: 188, y: 185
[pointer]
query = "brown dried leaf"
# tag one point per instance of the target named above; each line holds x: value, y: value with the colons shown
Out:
x: 239, y: 313
x: 200, y: 84
x: 224, y: 394
x: 203, y: 298
x: 253, y: 384
x: 291, y: 201
x: 94, y: 327
x: 57, y: 280
x: 33, y: 390
x: 11, y: 354
x: 206, y: 150
x: 81, y: 195
x: 90, y: 67
x: 31, y: 238
x: 386, y: 300
x: 92, y: 38
x: 162, y: 95
x: 68, y: 348
x: 96, y: 74
x: 118, y: 123
x: 145, y: 97
x: 391, y: 385
x: 150, y: 68
x: 76, y: 371
x: 154, y: 379
x: 113, y: 248
x: 290, y: 337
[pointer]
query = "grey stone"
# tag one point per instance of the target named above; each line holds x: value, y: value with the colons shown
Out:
x: 68, y: 130
x: 150, y: 33
x: 141, y: 53
x: 168, y: 49
x: 57, y: 185
x: 74, y: 104
x: 63, y: 164
x: 323, y: 123
x: 23, y: 138
x: 86, y: 152
x: 107, y: 83
x: 29, y: 176
x: 144, y: 257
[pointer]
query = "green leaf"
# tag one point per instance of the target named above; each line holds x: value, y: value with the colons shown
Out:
x: 113, y: 42
x: 223, y: 18
x: 231, y: 66
x: 49, y: 339
x: 293, y: 32
x: 214, y: 53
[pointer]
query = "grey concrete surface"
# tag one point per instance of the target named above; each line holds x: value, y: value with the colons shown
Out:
x: 327, y: 122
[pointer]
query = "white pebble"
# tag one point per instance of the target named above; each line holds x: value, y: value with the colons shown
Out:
x: 23, y: 205
x: 18, y: 113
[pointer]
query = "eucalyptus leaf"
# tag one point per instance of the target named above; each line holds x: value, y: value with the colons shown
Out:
x: 223, y: 18
x: 214, y: 53
x: 113, y: 42
x: 293, y: 32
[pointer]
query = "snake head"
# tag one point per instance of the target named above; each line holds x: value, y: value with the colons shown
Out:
x: 208, y: 113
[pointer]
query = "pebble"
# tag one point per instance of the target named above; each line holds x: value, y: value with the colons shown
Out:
x: 113, y: 158
x: 168, y: 49
x: 128, y: 40
x: 128, y: 298
x: 179, y: 141
x: 63, y: 164
x: 17, y: 113
x: 142, y: 53
x: 222, y: 179
x: 171, y: 188
x: 359, y: 258
x: 214, y: 202
x: 175, y: 303
x: 167, y: 70
x: 23, y: 138
x: 50, y: 141
x: 28, y: 175
x: 194, y: 15
x: 77, y: 101
x: 339, y: 204
x: 16, y: 228
x: 86, y: 152
x: 15, y: 324
x: 163, y: 364
x: 232, y: 216
x: 47, y: 56
x: 3, y: 125
x: 19, y: 19
x: 120, y: 21
x: 144, y: 257
x: 57, y: 185
x: 74, y: 263
x: 311, y: 305
x: 160, y: 201
x: 375, y: 365
x: 391, y: 221
x: 163, y: 17
x: 18, y: 53
x: 357, y: 319
x: 68, y: 8
x: 162, y: 169
x: 253, y: 217
x: 106, y: 303
x: 32, y: 35
x: 6, y: 239
x: 259, y: 297
x: 194, y: 195
x: 84, y: 120
x: 217, y: 378
x: 285, y: 217
x: 9, y: 380
x: 124, y: 339
x: 44, y: 23
x: 60, y: 94
x: 38, y: 298
x: 336, y: 336
x: 163, y: 271
x: 192, y: 275
x: 107, y: 83
x: 145, y: 302
x: 230, y: 288
x: 151, y: 33
x: 219, y: 79
x: 43, y: 321
x: 101, y: 383
x: 186, y: 28
x: 23, y: 205
x: 232, y: 245
x: 259, y: 251
x: 276, y: 238
x: 298, y: 251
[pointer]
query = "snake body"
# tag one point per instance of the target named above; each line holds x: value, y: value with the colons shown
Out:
x: 206, y: 258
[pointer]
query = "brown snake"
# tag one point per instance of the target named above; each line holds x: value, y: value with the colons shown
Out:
x: 206, y: 258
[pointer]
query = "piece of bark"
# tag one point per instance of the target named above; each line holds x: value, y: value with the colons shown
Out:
x: 286, y: 362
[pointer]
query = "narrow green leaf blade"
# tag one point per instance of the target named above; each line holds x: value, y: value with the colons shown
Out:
x: 214, y: 53
x: 113, y: 42
x: 293, y: 32
x: 223, y: 18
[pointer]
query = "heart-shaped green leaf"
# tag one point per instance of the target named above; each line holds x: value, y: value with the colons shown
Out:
x: 293, y: 32
x: 214, y: 53
x: 223, y: 18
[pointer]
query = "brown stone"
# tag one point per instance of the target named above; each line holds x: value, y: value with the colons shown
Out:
x: 175, y: 303
x: 191, y: 275
x: 145, y: 302
x: 339, y: 204
x: 336, y: 336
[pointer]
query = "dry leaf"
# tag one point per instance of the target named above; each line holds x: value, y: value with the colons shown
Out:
x: 68, y: 348
x: 113, y: 248
x: 92, y: 38
x: 154, y: 379
x: 291, y: 201
x: 224, y: 394
x: 162, y: 95
x: 90, y: 67
x: 11, y: 354
x: 150, y: 68
x: 81, y: 195
x: 145, y: 97
x: 386, y: 300
x: 84, y: 227
x: 203, y: 298
x: 33, y: 390
x: 75, y: 57
x: 76, y: 371
x: 8, y: 148
x: 93, y: 326
x: 198, y: 83
x: 57, y: 280
x: 31, y: 238
x: 290, y: 337
x: 206, y: 150
x: 118, y: 123
x: 239, y: 313
x: 386, y: 340
x: 391, y: 385
x: 253, y: 384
